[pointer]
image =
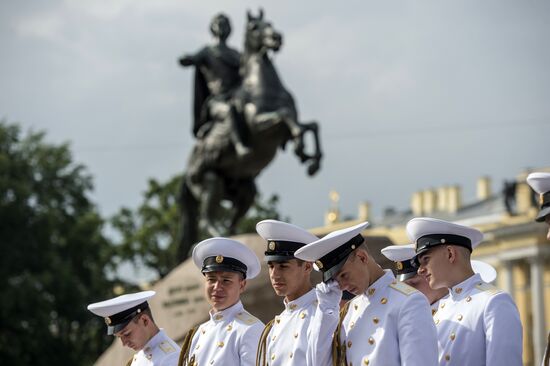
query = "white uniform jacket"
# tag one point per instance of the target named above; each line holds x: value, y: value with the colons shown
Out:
x: 230, y: 337
x: 161, y: 350
x: 287, y: 340
x: 389, y: 325
x: 477, y: 325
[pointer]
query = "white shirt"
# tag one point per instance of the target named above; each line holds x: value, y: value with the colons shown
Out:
x: 478, y: 325
x: 230, y: 337
x: 287, y: 341
x: 388, y: 325
x: 159, y: 351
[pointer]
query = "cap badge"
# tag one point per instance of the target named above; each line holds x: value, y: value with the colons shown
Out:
x: 219, y: 258
x: 319, y: 264
x: 271, y: 245
x: 443, y: 241
x: 107, y: 320
x: 399, y: 266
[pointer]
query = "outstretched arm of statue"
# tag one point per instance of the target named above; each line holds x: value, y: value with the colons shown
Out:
x: 187, y: 60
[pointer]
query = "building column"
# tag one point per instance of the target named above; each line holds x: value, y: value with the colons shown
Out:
x: 508, y: 281
x: 537, y: 302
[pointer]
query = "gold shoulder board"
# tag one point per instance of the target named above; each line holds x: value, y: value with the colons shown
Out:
x: 246, y: 318
x: 403, y: 288
x: 486, y: 287
x: 166, y: 347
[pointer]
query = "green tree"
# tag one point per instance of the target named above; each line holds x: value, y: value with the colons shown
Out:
x: 149, y: 235
x: 55, y: 259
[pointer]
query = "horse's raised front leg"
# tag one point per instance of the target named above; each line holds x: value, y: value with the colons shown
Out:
x: 315, y: 158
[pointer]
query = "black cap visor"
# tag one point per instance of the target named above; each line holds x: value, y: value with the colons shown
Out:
x: 332, y: 271
x: 117, y: 322
x: 117, y: 328
x: 544, y: 211
x: 405, y: 276
x: 278, y: 258
x: 427, y: 242
x: 223, y: 264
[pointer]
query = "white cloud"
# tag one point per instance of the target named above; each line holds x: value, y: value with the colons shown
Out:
x: 46, y: 26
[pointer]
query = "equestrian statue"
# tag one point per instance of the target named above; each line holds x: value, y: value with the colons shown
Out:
x: 242, y: 113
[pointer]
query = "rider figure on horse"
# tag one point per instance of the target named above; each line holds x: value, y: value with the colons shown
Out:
x: 217, y: 76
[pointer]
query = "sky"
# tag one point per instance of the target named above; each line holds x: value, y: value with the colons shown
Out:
x: 410, y: 95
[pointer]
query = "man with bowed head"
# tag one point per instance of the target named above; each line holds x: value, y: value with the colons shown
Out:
x: 129, y: 318
x: 388, y: 322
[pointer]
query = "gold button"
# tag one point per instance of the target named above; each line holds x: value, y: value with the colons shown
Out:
x: 371, y: 340
x: 296, y: 335
x: 459, y: 317
x: 468, y: 299
x: 198, y: 345
x: 218, y: 317
x: 375, y: 320
x: 272, y: 357
x: 203, y: 331
x: 453, y: 336
x: 442, y: 305
x: 351, y: 325
x: 293, y: 306
x: 355, y: 306
x: 211, y: 362
x: 447, y: 357
x: 229, y: 327
x: 278, y: 321
x: 349, y: 344
x: 220, y: 344
x: 291, y: 354
x: 436, y: 321
x: 434, y: 311
x: 458, y: 290
x: 384, y: 300
x: 273, y: 338
x: 366, y: 361
x: 371, y: 291
x: 303, y: 315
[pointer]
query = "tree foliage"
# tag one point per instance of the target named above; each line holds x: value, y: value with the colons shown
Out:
x: 149, y: 235
x: 55, y: 258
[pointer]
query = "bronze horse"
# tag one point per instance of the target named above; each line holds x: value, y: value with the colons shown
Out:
x: 217, y: 171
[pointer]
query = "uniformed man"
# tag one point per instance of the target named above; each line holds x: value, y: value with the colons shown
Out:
x: 285, y: 338
x: 129, y: 318
x: 387, y: 323
x: 540, y: 182
x: 477, y: 324
x: 231, y: 335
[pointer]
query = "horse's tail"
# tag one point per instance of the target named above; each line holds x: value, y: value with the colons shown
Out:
x: 189, y: 212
